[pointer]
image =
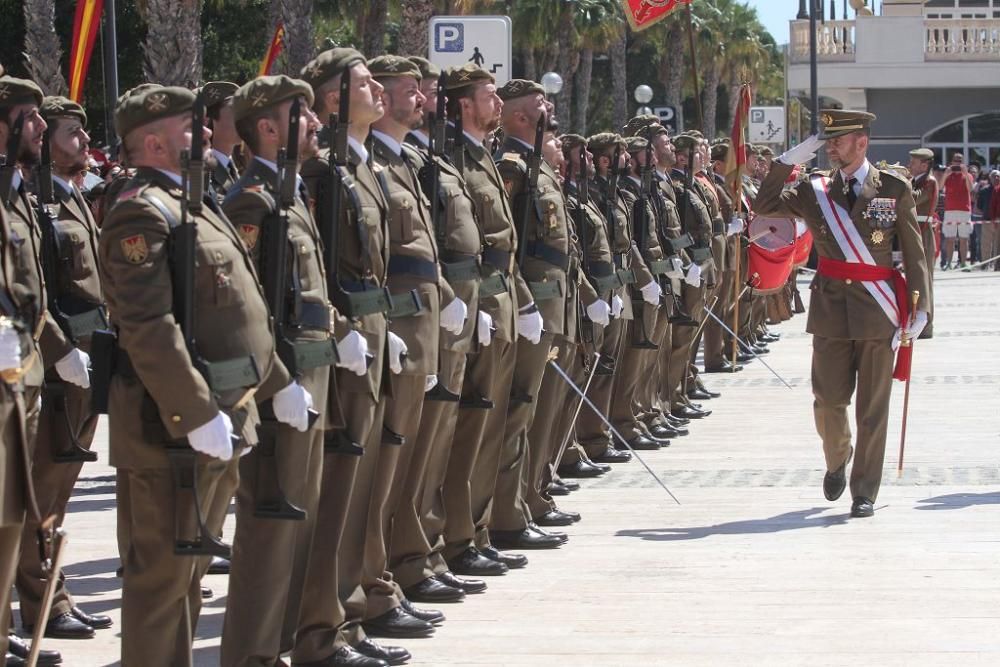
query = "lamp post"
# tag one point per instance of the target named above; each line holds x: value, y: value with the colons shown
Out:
x: 643, y: 94
x: 552, y: 83
x: 813, y: 84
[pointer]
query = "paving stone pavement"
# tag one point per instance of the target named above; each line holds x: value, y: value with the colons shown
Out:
x: 753, y: 567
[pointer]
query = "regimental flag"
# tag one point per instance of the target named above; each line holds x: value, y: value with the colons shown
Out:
x: 277, y: 43
x: 643, y: 13
x: 86, y: 25
x: 737, y: 155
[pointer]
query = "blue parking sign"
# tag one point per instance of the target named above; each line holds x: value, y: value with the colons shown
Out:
x: 449, y: 38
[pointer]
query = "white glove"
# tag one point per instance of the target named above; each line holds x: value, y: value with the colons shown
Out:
x: 802, y: 153
x: 352, y: 350
x: 73, y: 368
x: 919, y: 322
x: 676, y: 271
x: 214, y: 438
x: 397, y: 350
x: 529, y: 325
x: 616, y: 305
x: 453, y: 316
x: 291, y: 406
x: 599, y: 312
x: 10, y: 348
x: 430, y: 382
x: 693, y: 277
x: 485, y: 328
x: 651, y: 293
x: 735, y: 226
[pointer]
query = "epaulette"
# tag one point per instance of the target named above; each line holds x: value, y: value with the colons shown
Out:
x: 131, y: 192
x: 894, y: 174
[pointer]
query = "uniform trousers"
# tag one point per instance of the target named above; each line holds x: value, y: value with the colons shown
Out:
x: 12, y: 500
x: 930, y: 249
x: 657, y: 365
x: 838, y: 367
x: 682, y: 345
x: 628, y: 375
x: 592, y: 433
x: 715, y: 353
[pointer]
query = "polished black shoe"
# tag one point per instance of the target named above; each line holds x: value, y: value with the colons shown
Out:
x: 554, y: 489
x: 724, y: 367
x: 568, y: 483
x: 20, y: 649
x: 219, y: 565
x: 760, y: 349
x: 397, y: 623
x: 432, y: 616
x: 524, y: 539
x: 580, y: 469
x: 862, y: 507
x: 690, y: 412
x: 345, y: 657
x: 641, y: 443
x: 698, y: 395
x: 467, y: 585
x: 432, y: 589
x: 744, y: 357
x: 471, y: 562
x: 513, y: 561
x: 663, y: 432
x: 206, y: 593
x: 392, y: 655
x: 538, y: 530
x: 708, y: 393
x: 612, y: 455
x: 557, y: 518
x: 676, y: 421
x: 96, y: 621
x: 65, y: 626
x: 835, y: 482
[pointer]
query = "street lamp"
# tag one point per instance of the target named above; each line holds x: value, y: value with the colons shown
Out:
x: 643, y: 94
x: 552, y: 83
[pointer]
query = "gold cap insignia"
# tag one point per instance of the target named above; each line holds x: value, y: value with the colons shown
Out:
x: 827, y: 119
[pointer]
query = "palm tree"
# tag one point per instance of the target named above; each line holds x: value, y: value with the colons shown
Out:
x: 416, y: 16
x: 41, y: 45
x: 371, y: 26
x: 300, y: 38
x: 600, y: 24
x: 619, y: 81
x: 173, y: 41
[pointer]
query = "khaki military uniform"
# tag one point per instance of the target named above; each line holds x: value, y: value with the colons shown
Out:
x: 223, y: 177
x: 270, y: 555
x: 925, y: 197
x: 851, y: 333
x: 158, y: 396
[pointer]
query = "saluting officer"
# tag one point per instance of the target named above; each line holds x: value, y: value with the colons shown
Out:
x: 925, y: 196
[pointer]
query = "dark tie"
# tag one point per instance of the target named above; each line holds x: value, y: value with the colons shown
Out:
x: 851, y: 197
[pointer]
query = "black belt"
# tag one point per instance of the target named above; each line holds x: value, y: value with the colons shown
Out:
x: 223, y: 375
x: 82, y: 325
x: 601, y: 269
x: 700, y: 255
x: 406, y: 304
x: 548, y: 254
x: 464, y: 270
x: 363, y: 297
x: 545, y: 290
x: 718, y: 226
x: 498, y: 259
x: 312, y: 316
x: 681, y: 242
x: 492, y: 284
x: 414, y: 266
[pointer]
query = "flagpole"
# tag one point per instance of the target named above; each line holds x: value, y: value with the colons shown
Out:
x: 738, y: 197
x: 694, y: 71
x: 110, y: 44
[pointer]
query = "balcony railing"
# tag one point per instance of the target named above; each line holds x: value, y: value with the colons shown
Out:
x: 834, y: 41
x: 961, y: 39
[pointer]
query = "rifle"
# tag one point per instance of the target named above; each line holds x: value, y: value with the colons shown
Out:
x: 534, y: 169
x: 225, y: 375
x: 10, y: 159
x: 457, y: 138
x: 580, y: 221
x: 640, y: 222
x: 54, y: 255
x: 272, y: 503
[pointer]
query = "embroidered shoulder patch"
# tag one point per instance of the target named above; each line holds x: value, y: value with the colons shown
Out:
x: 249, y: 234
x: 135, y: 249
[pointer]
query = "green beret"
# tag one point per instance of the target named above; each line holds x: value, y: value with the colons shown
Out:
x: 56, y: 106
x: 14, y: 91
x: 267, y: 91
x: 636, y: 123
x: 766, y: 152
x: 652, y: 130
x: 605, y: 141
x: 720, y: 150
x: 428, y: 70
x: 387, y: 66
x: 571, y: 141
x: 519, y: 88
x: 153, y: 102
x: 329, y: 64
x: 635, y: 144
x: 922, y: 153
x: 217, y: 92
x: 686, y: 141
x: 467, y: 75
x: 696, y: 134
x: 838, y: 122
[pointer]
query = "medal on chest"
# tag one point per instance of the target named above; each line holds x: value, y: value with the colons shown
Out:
x: 881, y: 214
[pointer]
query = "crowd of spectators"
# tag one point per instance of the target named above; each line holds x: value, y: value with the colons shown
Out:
x: 969, y: 210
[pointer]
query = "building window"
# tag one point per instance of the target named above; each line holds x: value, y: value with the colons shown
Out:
x: 976, y: 137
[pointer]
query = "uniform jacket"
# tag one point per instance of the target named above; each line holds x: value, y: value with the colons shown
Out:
x: 728, y: 211
x: 838, y: 309
x: 696, y: 217
x: 231, y: 321
x: 222, y: 178
x: 925, y: 196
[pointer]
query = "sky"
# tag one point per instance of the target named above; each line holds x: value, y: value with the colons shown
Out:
x: 775, y: 14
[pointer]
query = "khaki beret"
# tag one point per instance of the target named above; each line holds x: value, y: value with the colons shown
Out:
x: 652, y: 130
x: 383, y: 67
x: 14, y: 91
x: 56, y: 106
x: 217, y: 92
x: 636, y: 123
x: 922, y: 153
x: 267, y: 91
x: 329, y: 64
x: 571, y: 141
x: 467, y: 75
x: 635, y: 144
x: 605, y: 141
x: 838, y: 122
x: 428, y: 70
x: 696, y: 134
x: 720, y: 151
x: 519, y: 88
x: 141, y: 107
x: 766, y: 152
x: 686, y: 141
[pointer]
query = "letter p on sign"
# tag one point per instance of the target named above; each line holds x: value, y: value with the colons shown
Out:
x: 449, y: 38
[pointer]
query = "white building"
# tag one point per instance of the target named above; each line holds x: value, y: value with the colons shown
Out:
x: 930, y: 71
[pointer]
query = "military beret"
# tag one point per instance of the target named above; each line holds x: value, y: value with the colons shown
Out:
x: 636, y: 123
x: 217, y: 92
x: 466, y: 75
x: 56, y: 106
x: 14, y: 91
x: 519, y: 88
x: 922, y: 153
x: 387, y: 66
x: 838, y: 122
x: 153, y: 102
x: 605, y: 141
x: 720, y: 151
x: 428, y: 70
x: 267, y: 91
x: 765, y: 151
x: 686, y: 141
x: 652, y: 130
x: 571, y: 141
x: 329, y: 64
x: 696, y: 134
x: 635, y: 144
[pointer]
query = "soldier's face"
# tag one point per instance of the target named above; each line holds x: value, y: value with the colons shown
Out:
x: 846, y: 149
x: 485, y: 108
x: 917, y: 166
x: 552, y: 150
x: 404, y: 103
x: 32, y: 133
x: 69, y: 144
x: 429, y: 88
x: 664, y: 149
x: 308, y: 132
x: 366, y: 96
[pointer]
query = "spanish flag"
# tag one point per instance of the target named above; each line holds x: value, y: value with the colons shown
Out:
x: 737, y: 155
x: 277, y: 43
x: 643, y: 13
x: 86, y: 25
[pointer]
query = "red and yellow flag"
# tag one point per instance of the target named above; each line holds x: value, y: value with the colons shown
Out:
x: 737, y: 155
x: 643, y: 13
x: 277, y: 43
x: 86, y: 25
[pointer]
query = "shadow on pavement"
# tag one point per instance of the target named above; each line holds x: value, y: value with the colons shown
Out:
x: 957, y: 501
x: 775, y: 524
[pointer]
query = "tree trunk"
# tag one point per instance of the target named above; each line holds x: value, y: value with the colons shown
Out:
x: 582, y: 91
x: 416, y: 18
x: 173, y: 42
x: 530, y: 66
x: 374, y: 31
x: 41, y: 46
x: 619, y: 83
x: 674, y: 65
x: 567, y: 61
x: 734, y: 93
x: 300, y: 40
x: 710, y: 100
